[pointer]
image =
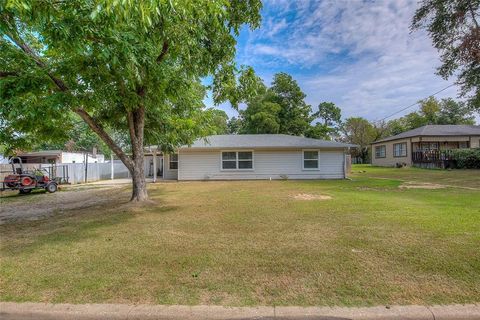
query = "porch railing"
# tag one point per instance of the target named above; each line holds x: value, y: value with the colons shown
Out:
x: 432, y: 156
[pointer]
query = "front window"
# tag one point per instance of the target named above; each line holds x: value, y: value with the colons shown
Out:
x: 310, y: 160
x: 245, y: 160
x: 237, y: 160
x: 400, y: 149
x: 380, y: 152
x: 463, y: 145
x: 173, y: 162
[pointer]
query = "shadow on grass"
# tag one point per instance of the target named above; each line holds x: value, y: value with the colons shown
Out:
x: 74, y: 226
x: 10, y: 195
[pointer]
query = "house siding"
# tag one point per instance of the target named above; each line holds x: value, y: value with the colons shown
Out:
x: 449, y: 142
x: 475, y: 142
x: 390, y: 160
x: 169, y: 174
x: 268, y: 164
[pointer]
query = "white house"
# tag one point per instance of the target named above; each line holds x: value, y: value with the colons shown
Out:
x: 59, y: 156
x: 253, y: 156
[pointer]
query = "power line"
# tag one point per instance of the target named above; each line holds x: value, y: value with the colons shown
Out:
x: 413, y: 104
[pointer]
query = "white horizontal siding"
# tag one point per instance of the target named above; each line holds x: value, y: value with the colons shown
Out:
x: 274, y: 164
x: 169, y: 174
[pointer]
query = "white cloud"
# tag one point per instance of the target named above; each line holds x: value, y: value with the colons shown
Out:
x: 358, y: 54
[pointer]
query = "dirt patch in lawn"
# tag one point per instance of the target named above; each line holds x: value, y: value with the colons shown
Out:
x: 308, y: 196
x: 40, y: 205
x: 417, y: 185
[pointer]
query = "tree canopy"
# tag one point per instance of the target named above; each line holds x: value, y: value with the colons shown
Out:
x: 359, y: 131
x: 433, y: 111
x: 295, y: 113
x: 453, y: 26
x: 281, y: 108
x: 121, y: 66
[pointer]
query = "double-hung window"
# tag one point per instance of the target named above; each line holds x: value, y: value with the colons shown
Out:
x: 380, y: 152
x: 237, y: 160
x: 173, y: 163
x: 400, y: 149
x: 310, y: 160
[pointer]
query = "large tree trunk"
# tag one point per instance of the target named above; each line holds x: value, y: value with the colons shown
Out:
x: 139, y: 184
x: 135, y: 163
x: 136, y: 124
x: 139, y: 187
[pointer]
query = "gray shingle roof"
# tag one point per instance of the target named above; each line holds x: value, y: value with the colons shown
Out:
x: 264, y: 141
x: 437, y: 130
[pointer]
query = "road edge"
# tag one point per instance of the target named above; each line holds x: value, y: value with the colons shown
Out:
x: 121, y: 312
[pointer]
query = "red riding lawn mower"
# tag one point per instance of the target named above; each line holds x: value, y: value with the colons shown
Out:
x: 25, y: 182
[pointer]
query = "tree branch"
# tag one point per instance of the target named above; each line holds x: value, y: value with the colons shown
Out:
x: 131, y: 128
x: 105, y: 137
x: 472, y: 13
x: 29, y: 52
x: 92, y: 123
x: 163, y: 53
x: 4, y: 74
x: 25, y: 48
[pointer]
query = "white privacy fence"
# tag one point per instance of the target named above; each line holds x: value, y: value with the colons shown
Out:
x: 80, y: 173
x: 75, y: 172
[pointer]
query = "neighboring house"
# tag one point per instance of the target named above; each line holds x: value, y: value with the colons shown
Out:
x: 428, y: 146
x: 254, y: 156
x: 59, y: 156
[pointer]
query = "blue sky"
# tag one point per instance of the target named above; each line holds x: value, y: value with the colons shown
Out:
x: 358, y: 54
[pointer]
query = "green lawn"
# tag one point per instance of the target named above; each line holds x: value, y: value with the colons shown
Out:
x: 253, y: 243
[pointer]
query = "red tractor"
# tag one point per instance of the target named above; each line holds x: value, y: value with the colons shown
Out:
x: 25, y: 182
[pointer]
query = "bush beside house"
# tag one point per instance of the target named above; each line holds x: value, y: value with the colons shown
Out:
x: 467, y: 158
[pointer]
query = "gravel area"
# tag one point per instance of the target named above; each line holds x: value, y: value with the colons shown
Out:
x: 40, y: 205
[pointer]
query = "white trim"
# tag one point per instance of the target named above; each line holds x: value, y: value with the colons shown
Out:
x: 303, y: 160
x: 236, y: 160
x: 154, y: 156
x: 162, y: 164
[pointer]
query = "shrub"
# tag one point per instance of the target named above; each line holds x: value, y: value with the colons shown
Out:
x: 467, y: 158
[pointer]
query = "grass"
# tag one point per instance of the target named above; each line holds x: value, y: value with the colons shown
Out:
x: 251, y: 243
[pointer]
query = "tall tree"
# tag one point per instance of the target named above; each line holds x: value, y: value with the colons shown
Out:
x: 319, y: 131
x: 261, y: 115
x: 329, y: 113
x: 453, y: 26
x: 121, y: 66
x: 455, y: 112
x: 359, y: 131
x: 429, y: 109
x: 219, y: 121
x: 234, y: 125
x: 433, y: 111
x: 330, y: 116
x: 294, y: 114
